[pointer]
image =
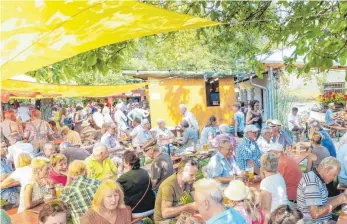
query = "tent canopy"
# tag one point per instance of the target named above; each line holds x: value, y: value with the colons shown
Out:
x: 42, y: 32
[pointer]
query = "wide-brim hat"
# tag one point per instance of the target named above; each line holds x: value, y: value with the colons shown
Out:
x: 273, y: 123
x: 236, y: 191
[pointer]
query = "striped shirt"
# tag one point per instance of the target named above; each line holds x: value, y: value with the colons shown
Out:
x: 312, y: 192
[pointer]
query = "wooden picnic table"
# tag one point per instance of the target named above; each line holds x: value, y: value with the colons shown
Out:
x: 24, y: 217
x: 300, y: 157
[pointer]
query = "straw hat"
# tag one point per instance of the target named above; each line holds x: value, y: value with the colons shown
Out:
x: 273, y: 123
x: 236, y: 191
x: 85, y: 124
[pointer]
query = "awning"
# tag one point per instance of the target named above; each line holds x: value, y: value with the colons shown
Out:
x: 39, y: 33
x: 21, y: 89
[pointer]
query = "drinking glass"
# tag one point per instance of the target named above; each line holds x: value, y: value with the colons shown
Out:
x: 250, y: 175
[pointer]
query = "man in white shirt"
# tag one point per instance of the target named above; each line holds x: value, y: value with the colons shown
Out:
x: 264, y: 140
x: 137, y: 134
x: 294, y: 121
x: 98, y: 118
x: 189, y: 116
x: 18, y: 148
x: 23, y: 112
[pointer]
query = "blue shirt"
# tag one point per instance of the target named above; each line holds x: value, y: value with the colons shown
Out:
x: 6, y: 194
x: 284, y: 139
x: 328, y: 143
x: 342, y: 158
x: 205, y: 132
x: 246, y: 150
x: 240, y: 118
x: 328, y: 117
x: 228, y: 216
x: 218, y: 166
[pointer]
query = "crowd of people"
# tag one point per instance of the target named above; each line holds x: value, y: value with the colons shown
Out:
x: 105, y: 164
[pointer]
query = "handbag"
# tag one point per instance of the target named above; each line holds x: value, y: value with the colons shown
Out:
x: 149, y: 183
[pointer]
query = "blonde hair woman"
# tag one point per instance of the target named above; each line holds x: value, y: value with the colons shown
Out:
x: 39, y: 187
x: 318, y: 153
x: 59, y: 169
x: 108, y: 206
x: 245, y: 200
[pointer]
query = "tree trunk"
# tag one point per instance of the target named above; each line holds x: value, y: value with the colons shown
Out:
x: 46, y: 109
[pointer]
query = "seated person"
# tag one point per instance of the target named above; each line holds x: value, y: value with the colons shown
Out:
x: 39, y: 188
x: 327, y: 141
x: 71, y: 136
x: 222, y: 165
x: 168, y: 202
x: 312, y: 194
x: 9, y: 195
x: 137, y: 186
x: 18, y: 148
x: 87, y: 133
x: 287, y: 213
x: 294, y: 121
x: 273, y: 189
x: 188, y: 139
x: 108, y: 206
x: 210, y: 129
x: 164, y: 137
x: 137, y: 134
x: 318, y: 152
x: 73, y: 153
x: 110, y: 138
x: 225, y: 129
x: 278, y: 135
x: 209, y: 202
x: 99, y: 164
x: 342, y: 158
x: 264, y: 141
x: 54, y: 212
x: 79, y: 185
x: 58, y: 173
x: 330, y: 119
x: 146, y: 130
x: 56, y: 131
x: 161, y: 167
x: 247, y: 152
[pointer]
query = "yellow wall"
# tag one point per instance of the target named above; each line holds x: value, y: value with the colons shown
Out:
x: 166, y: 96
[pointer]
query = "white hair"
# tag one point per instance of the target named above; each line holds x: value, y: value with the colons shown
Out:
x: 330, y: 163
x: 49, y: 146
x: 99, y: 148
x: 331, y: 105
x: 160, y: 120
x: 265, y: 130
x: 270, y: 162
x: 224, y: 128
x: 211, y: 190
x: 144, y: 121
x: 183, y: 106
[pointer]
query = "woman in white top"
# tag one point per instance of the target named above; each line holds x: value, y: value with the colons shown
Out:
x: 273, y: 187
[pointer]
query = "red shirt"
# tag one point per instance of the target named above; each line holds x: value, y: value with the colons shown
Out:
x: 57, y: 179
x: 291, y: 173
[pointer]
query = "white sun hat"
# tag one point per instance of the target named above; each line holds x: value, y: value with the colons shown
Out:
x: 236, y: 191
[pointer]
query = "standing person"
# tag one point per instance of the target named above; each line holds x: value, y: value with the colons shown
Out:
x: 330, y: 119
x: 161, y: 167
x: 98, y: 117
x: 137, y: 186
x: 23, y: 112
x: 273, y: 189
x: 318, y: 152
x: 106, y: 113
x: 254, y: 115
x: 190, y: 117
x: 211, y: 128
x: 167, y: 203
x: 63, y: 120
x: 78, y: 119
x: 108, y: 206
x: 37, y: 131
x: 239, y: 120
x: 294, y: 121
x: 248, y: 152
x: 79, y: 185
x: 120, y: 118
x: 208, y: 197
x: 137, y: 134
x: 9, y: 128
x: 244, y: 108
x: 312, y: 195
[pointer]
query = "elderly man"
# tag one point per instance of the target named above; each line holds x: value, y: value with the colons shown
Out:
x: 173, y: 190
x: 120, y: 118
x: 222, y: 165
x: 209, y: 201
x: 330, y: 119
x: 109, y: 139
x: 79, y: 191
x: 312, y: 194
x: 289, y: 169
x: 137, y: 134
x: 18, y: 148
x: 189, y: 116
x: 71, y: 136
x: 48, y: 150
x: 189, y: 137
x: 278, y: 135
x: 72, y: 153
x: 247, y: 152
x: 164, y: 136
x: 99, y: 165
x: 264, y: 140
x: 161, y: 167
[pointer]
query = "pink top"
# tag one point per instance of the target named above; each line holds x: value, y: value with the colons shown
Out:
x: 56, y: 178
x: 248, y: 218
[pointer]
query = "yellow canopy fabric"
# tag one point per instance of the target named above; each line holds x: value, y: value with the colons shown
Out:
x: 66, y: 90
x: 38, y: 33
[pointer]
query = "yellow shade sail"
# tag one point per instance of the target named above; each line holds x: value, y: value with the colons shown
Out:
x: 52, y: 91
x: 38, y: 33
